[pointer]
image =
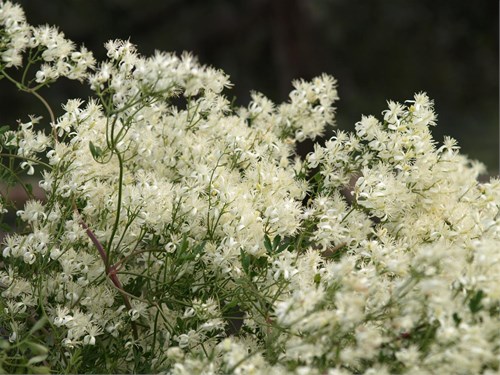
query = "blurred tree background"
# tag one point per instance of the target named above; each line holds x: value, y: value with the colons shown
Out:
x: 378, y: 50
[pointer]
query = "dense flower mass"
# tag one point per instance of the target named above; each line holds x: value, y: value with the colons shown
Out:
x: 180, y: 234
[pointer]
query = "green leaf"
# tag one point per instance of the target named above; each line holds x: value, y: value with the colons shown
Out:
x: 184, y: 244
x: 8, y: 141
x: 283, y: 245
x: 276, y: 241
x: 198, y: 249
x: 475, y: 302
x: 38, y: 325
x: 4, y: 227
x: 96, y: 151
x: 4, y: 129
x: 183, y: 253
x: 267, y: 244
x: 245, y: 261
x: 456, y: 319
x: 37, y: 359
x: 180, y: 323
x: 40, y: 370
x: 4, y: 344
x: 37, y: 348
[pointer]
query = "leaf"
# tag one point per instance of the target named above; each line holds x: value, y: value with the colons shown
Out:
x: 198, y: 249
x: 4, y: 227
x: 245, y: 261
x: 283, y: 245
x: 40, y: 370
x: 96, y: 151
x: 276, y: 241
x: 37, y: 348
x: 38, y: 325
x: 183, y: 253
x: 9, y: 142
x: 4, y: 129
x: 267, y: 244
x: 475, y: 302
x: 180, y: 323
x: 184, y: 244
x: 4, y: 344
x: 37, y: 359
x: 456, y: 319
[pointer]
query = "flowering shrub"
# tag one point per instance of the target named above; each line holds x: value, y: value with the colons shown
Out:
x: 181, y: 234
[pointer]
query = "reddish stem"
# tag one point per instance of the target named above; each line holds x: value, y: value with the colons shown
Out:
x: 111, y: 272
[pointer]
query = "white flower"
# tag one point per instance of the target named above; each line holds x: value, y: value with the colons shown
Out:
x: 17, y: 33
x: 284, y: 266
x: 188, y: 339
x: 163, y: 197
x: 33, y: 211
x: 409, y: 356
x: 175, y: 353
x: 93, y: 331
x: 62, y: 317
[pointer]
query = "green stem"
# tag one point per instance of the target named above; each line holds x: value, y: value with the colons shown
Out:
x: 27, y: 159
x: 119, y: 201
x: 34, y: 92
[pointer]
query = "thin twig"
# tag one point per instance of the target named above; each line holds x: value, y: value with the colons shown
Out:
x: 110, y: 272
x: 47, y: 106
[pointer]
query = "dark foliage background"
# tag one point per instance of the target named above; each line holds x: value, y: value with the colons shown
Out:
x: 378, y: 50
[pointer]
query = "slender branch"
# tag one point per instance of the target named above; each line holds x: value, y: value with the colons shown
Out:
x: 119, y: 200
x: 96, y: 242
x: 27, y: 159
x: 47, y: 106
x: 110, y: 272
x: 28, y: 90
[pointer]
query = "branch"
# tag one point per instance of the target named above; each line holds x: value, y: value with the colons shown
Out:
x: 110, y: 272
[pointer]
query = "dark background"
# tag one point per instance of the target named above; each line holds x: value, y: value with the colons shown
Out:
x: 377, y: 49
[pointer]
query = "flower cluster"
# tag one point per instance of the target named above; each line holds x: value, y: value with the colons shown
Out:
x: 180, y: 234
x: 15, y: 34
